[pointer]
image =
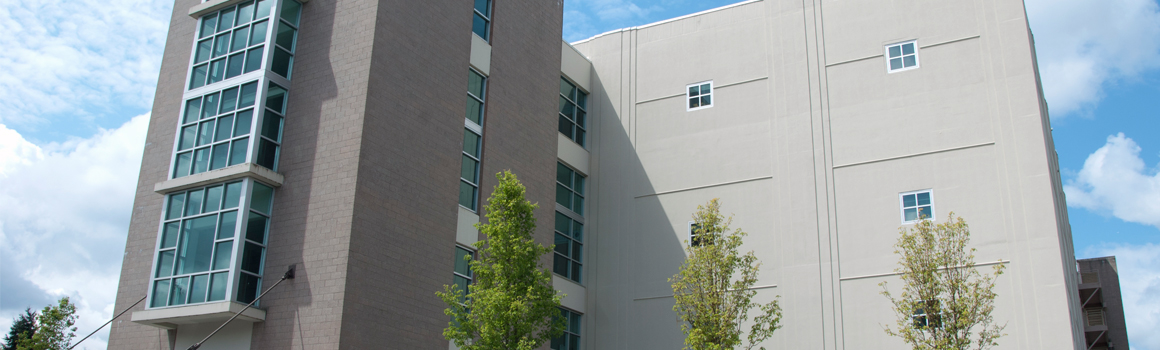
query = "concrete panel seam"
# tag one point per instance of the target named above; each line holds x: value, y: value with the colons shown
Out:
x: 948, y: 42
x: 843, y: 279
x: 992, y: 143
x: 670, y: 295
x: 921, y: 47
x: 718, y: 87
x: 706, y: 186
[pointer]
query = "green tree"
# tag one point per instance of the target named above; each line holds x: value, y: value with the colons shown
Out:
x: 713, y: 289
x: 23, y: 327
x: 945, y: 303
x: 511, y: 304
x: 54, y: 328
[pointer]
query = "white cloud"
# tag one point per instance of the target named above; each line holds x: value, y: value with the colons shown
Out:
x: 1139, y: 270
x: 78, y: 60
x: 586, y: 18
x: 1115, y: 180
x: 1084, y: 45
x: 64, y: 215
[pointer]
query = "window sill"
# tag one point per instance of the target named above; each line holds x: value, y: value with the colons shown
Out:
x: 255, y: 171
x: 171, y: 317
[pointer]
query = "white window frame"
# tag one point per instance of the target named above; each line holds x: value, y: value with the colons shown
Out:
x: 902, y: 205
x: 886, y: 54
x: 712, y: 98
x: 689, y: 235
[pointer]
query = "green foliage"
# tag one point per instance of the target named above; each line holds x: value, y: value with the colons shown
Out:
x: 54, y: 328
x: 940, y: 281
x: 713, y: 289
x: 511, y: 303
x: 23, y: 327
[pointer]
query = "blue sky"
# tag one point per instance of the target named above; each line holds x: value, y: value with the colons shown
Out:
x: 77, y: 79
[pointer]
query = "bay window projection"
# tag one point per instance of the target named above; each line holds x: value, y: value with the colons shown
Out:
x: 214, y: 131
x: 569, y: 188
x: 230, y: 42
x: 197, y: 256
x: 570, y: 339
x: 286, y: 38
x: 569, y: 247
x: 573, y: 112
x: 472, y: 141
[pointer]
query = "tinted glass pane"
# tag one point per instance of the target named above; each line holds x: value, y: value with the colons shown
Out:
x: 467, y: 195
x: 217, y: 286
x: 238, y: 151
x: 563, y: 174
x: 562, y: 244
x: 468, y: 168
x: 196, y: 247
x: 560, y: 265
x: 578, y: 204
x: 233, y: 193
x: 475, y: 83
x: 234, y: 67
x: 276, y: 98
x: 579, y: 137
x: 201, y: 160
x: 581, y: 118
x: 220, y: 157
x: 578, y: 184
x: 242, y: 125
x: 221, y: 45
x: 225, y: 127
x: 217, y: 71
x: 285, y: 37
x: 911, y: 214
x: 272, y: 126
x: 221, y: 259
x: 565, y: 126
x: 290, y: 10
x: 479, y: 26
x: 563, y: 223
x: 694, y: 91
x: 179, y: 292
x: 567, y: 89
x: 577, y: 251
x: 578, y: 231
x: 205, y: 133
x: 248, y: 288
x: 198, y: 288
x: 281, y: 63
x: 563, y: 196
x: 227, y: 20
x: 908, y: 48
x: 462, y: 259
x: 253, y: 59
x: 574, y: 340
x: 705, y: 89
x: 483, y: 7
x: 169, y: 234
x: 908, y: 200
x: 694, y: 102
x: 197, y: 77
x: 227, y: 224
x: 188, y: 138
x: 909, y: 61
x: 246, y: 97
x: 925, y: 212
x: 470, y: 143
x: 923, y: 198
x: 240, y: 39
x: 267, y: 154
x: 204, y: 48
x: 258, y: 33
x: 193, y: 202
x: 263, y: 198
x: 246, y: 12
x: 895, y: 51
x: 252, y: 258
x: 213, y: 198
x: 183, y: 164
x: 462, y: 283
x: 896, y: 63
x: 263, y: 9
x: 256, y: 227
x: 165, y: 264
x: 160, y: 293
x: 211, y: 105
x: 567, y: 108
x: 208, y: 24
x: 582, y: 99
x: 705, y: 100
x: 473, y: 110
x: 192, y: 110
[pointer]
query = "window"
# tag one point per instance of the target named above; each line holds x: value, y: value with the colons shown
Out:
x: 472, y: 141
x: 230, y: 42
x: 696, y: 235
x: 481, y: 23
x: 270, y: 138
x: 927, y: 314
x: 197, y: 248
x: 463, y: 276
x: 570, y: 339
x: 700, y: 95
x: 286, y: 38
x: 573, y: 112
x: 902, y: 56
x: 214, y: 131
x: 917, y: 205
x: 569, y: 188
x: 569, y: 251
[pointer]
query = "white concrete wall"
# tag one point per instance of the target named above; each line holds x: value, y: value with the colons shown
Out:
x: 808, y: 145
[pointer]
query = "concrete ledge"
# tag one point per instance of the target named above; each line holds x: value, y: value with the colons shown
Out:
x: 171, y: 317
x: 574, y: 293
x: 572, y: 154
x: 255, y: 171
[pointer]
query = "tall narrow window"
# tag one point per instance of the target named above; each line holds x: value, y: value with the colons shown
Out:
x: 697, y: 236
x: 481, y: 23
x: 569, y: 188
x: 570, y: 340
x: 569, y: 251
x: 573, y: 112
x: 902, y: 56
x: 700, y: 95
x: 472, y: 141
x: 462, y: 276
x: 917, y: 205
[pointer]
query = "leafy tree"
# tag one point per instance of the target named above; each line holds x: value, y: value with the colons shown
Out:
x: 945, y: 303
x: 713, y: 289
x: 511, y: 304
x: 23, y: 327
x: 54, y: 328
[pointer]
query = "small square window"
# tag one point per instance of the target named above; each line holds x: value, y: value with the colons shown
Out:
x: 696, y: 235
x: 927, y: 314
x: 917, y: 205
x: 700, y: 95
x: 902, y: 56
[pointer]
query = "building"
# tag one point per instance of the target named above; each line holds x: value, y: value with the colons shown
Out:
x: 341, y: 134
x: 1103, y: 309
